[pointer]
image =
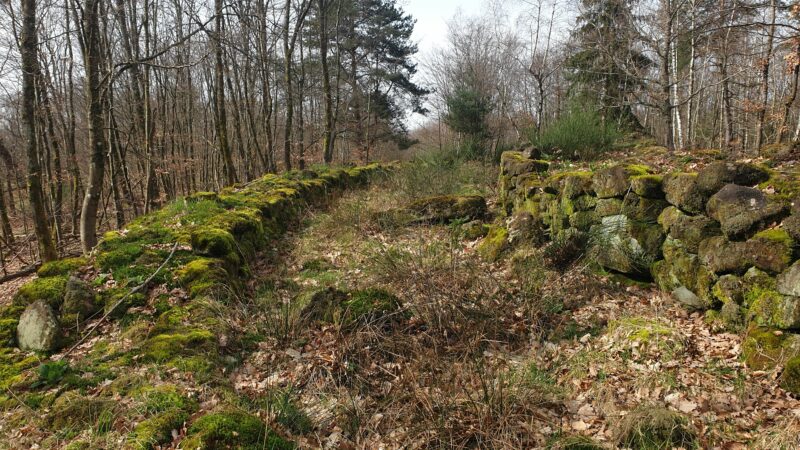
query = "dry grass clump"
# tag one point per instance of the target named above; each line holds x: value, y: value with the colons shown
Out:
x: 651, y: 427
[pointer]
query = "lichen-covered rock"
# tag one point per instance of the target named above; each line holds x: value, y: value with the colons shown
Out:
x: 765, y: 348
x: 731, y: 316
x: 79, y: 299
x: 615, y: 181
x: 688, y: 298
x: 523, y: 227
x: 683, y: 269
x: 648, y: 186
x: 788, y: 282
x: 513, y: 164
x: 494, y: 244
x: 714, y: 176
x: 571, y: 184
x: 643, y: 209
x: 39, y: 328
x: 729, y: 289
x: 608, y: 207
x: 792, y: 226
x: 690, y: 230
x: 742, y: 211
x: 474, y: 229
x: 626, y: 245
x: 768, y: 251
x: 772, y: 309
x: 583, y: 220
x: 682, y: 190
x: 447, y: 208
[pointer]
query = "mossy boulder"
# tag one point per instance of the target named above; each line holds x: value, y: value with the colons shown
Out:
x: 643, y: 209
x: 571, y: 184
x: 51, y: 290
x: 648, y: 186
x: 184, y: 341
x: 371, y: 306
x: 716, y: 175
x: 79, y: 299
x: 608, y: 207
x: 729, y: 289
x: 447, y: 208
x: 792, y: 226
x: 766, y: 348
x: 788, y: 282
x: 742, y: 211
x: 689, y: 230
x: 61, y: 267
x: 583, y: 220
x: 73, y: 411
x: 779, y: 151
x: 731, y: 316
x: 681, y: 189
x: 770, y: 308
x: 523, y: 227
x: 201, y: 275
x: 513, y: 164
x: 232, y: 429
x: 655, y: 427
x: 474, y: 229
x: 494, y: 244
x: 615, y: 181
x: 215, y: 242
x: 39, y: 328
x: 626, y: 245
x: 769, y: 251
x: 790, y: 378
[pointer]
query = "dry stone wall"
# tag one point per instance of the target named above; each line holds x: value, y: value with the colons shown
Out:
x: 713, y: 239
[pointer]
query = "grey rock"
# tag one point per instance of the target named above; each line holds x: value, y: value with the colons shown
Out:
x: 789, y: 280
x: 742, y: 211
x: 39, y: 328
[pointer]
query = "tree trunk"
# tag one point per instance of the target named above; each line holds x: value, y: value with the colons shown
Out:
x: 762, y: 108
x: 94, y: 86
x: 219, y: 87
x: 30, y: 67
x: 327, y: 137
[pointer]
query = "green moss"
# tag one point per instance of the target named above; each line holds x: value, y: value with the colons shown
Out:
x: 638, y: 170
x: 163, y: 347
x: 60, y: 267
x: 120, y: 255
x: 215, y: 242
x: 370, y: 304
x: 790, y: 378
x: 233, y: 429
x: 494, y: 244
x: 778, y: 235
x: 8, y: 332
x: 117, y: 301
x: 152, y: 432
x: 201, y: 275
x: 163, y: 398
x: 764, y: 348
x: 50, y: 289
x: 13, y: 367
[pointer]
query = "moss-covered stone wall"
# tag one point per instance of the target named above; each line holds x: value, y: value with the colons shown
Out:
x: 173, y: 322
x: 723, y: 240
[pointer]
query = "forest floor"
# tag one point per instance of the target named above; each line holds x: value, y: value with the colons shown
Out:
x: 504, y: 355
x: 511, y: 354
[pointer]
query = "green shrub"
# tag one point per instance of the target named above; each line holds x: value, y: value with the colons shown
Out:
x: 579, y: 134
